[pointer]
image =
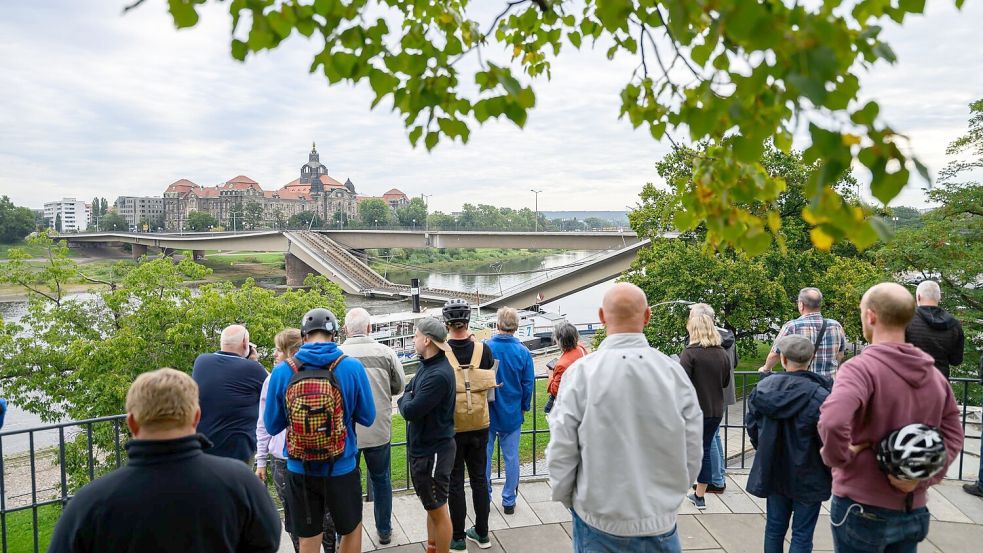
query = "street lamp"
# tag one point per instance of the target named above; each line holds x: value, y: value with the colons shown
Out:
x: 376, y: 224
x: 414, y: 225
x: 536, y: 192
x: 426, y: 208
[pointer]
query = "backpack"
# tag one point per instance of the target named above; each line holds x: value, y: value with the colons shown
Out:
x: 315, y: 414
x: 471, y: 397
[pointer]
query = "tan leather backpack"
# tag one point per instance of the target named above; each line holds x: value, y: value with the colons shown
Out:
x: 473, y: 384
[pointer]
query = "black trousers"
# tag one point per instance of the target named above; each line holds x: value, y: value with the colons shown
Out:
x: 278, y: 469
x: 472, y: 452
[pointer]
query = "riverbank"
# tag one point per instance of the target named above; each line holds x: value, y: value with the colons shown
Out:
x: 397, y: 258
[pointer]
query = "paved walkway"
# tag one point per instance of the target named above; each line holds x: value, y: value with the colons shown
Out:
x: 733, y: 523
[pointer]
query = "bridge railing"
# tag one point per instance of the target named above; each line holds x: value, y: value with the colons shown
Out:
x: 51, y: 462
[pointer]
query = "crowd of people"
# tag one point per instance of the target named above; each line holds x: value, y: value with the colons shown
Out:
x: 873, y: 432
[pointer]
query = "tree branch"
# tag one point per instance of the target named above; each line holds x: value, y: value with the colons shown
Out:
x: 675, y: 46
x: 491, y: 28
x: 132, y: 6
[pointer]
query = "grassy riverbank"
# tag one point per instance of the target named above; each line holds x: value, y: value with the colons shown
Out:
x: 450, y: 257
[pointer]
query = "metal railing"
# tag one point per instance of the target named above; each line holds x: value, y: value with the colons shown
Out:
x: 74, y: 458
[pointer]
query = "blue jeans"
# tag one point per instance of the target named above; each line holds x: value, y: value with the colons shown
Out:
x: 377, y: 461
x: 979, y: 479
x: 509, y: 443
x: 710, y: 426
x: 718, y: 465
x: 866, y: 529
x: 587, y: 539
x: 780, y: 511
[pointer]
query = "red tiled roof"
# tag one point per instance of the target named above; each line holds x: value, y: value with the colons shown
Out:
x: 394, y: 192
x: 182, y: 185
x: 241, y: 179
x: 327, y: 181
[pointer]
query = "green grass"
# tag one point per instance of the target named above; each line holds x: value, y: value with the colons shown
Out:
x: 248, y: 257
x: 33, y: 251
x: 20, y: 528
x: 754, y: 362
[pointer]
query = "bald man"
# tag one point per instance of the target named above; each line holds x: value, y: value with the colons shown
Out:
x: 891, y: 384
x: 629, y: 402
x: 228, y: 390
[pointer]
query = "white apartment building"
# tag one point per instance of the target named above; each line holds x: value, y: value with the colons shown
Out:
x: 75, y: 215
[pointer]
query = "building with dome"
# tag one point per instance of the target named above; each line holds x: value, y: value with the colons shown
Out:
x: 229, y: 202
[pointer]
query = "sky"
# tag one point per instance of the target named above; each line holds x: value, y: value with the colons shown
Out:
x: 95, y: 103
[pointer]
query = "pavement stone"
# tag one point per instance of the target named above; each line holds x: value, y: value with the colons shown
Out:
x: 368, y: 523
x: 952, y: 537
x: 550, y: 512
x: 692, y: 534
x: 736, y: 533
x: 523, y: 515
x: 549, y: 538
x: 970, y: 505
x: 411, y: 516
x: 943, y: 509
x: 536, y: 492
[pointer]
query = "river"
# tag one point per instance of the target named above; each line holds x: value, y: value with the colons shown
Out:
x: 579, y: 308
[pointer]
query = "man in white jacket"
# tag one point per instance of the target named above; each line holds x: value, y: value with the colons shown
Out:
x: 626, y: 436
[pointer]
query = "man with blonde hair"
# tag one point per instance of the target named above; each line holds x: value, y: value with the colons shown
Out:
x: 516, y: 377
x: 229, y: 384
x: 169, y: 497
x: 934, y: 330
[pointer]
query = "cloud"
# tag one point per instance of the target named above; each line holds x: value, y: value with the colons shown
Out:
x: 102, y: 104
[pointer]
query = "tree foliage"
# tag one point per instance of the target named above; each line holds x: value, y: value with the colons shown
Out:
x: 374, y: 212
x: 303, y: 219
x: 414, y: 214
x: 252, y: 215
x: 732, y: 72
x: 200, y: 221
x: 15, y: 222
x: 948, y: 247
x: 113, y: 221
x: 751, y: 295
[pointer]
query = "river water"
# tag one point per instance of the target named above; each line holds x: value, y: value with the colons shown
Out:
x: 580, y: 307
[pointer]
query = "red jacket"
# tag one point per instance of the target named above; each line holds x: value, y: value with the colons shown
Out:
x: 881, y: 390
x: 564, y: 362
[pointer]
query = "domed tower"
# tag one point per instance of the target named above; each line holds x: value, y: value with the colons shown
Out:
x: 311, y: 172
x: 350, y: 186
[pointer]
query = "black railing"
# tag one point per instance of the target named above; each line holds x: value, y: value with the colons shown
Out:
x: 59, y: 458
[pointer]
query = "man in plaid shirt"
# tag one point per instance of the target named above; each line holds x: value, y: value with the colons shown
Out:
x: 831, y: 346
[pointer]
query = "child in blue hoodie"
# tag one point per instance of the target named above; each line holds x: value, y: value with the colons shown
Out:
x: 311, y: 490
x: 788, y: 471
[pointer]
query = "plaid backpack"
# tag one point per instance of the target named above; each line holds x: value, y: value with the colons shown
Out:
x: 315, y: 414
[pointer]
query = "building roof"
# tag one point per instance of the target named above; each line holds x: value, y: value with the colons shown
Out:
x: 182, y: 185
x: 393, y: 194
x: 327, y: 181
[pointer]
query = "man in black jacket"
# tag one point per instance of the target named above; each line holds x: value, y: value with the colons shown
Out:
x: 935, y: 331
x: 428, y: 406
x: 783, y: 411
x: 170, y: 497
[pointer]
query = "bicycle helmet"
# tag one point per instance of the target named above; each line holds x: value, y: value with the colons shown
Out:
x: 456, y: 311
x: 319, y: 319
x: 914, y: 452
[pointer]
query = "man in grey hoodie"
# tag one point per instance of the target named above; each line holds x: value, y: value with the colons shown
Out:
x: 630, y: 402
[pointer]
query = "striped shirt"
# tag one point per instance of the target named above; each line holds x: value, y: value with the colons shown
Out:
x: 833, y: 342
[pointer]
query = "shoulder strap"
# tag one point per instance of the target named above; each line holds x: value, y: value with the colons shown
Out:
x: 336, y: 361
x: 294, y: 364
x: 452, y: 359
x: 819, y: 338
x: 479, y: 350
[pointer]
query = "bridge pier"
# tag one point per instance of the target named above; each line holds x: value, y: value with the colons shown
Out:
x: 197, y: 255
x: 167, y: 252
x: 138, y: 250
x: 297, y: 270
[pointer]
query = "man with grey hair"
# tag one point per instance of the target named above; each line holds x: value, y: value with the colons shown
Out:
x: 934, y: 330
x: 728, y: 341
x: 516, y: 376
x: 229, y: 384
x: 827, y: 335
x: 386, y: 378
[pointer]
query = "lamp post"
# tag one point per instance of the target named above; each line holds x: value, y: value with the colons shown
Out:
x: 414, y: 225
x: 426, y: 208
x: 536, y: 192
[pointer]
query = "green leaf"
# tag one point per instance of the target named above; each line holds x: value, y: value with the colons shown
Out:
x: 574, y: 38
x: 888, y: 185
x: 867, y: 114
x: 183, y: 12
x: 922, y: 170
x: 431, y: 140
x: 415, y: 134
x: 239, y: 49
x: 883, y: 51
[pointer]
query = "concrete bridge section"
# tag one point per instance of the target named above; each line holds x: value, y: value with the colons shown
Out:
x: 275, y: 240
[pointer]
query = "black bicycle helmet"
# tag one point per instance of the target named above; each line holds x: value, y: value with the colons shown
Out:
x: 456, y: 311
x: 319, y: 319
x: 914, y: 452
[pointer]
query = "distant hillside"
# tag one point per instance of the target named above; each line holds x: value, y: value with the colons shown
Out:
x: 614, y: 216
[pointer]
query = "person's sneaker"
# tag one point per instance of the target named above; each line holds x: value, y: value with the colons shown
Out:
x: 700, y: 502
x: 510, y: 509
x: 384, y: 539
x: 973, y: 489
x: 459, y: 545
x: 713, y: 489
x: 483, y: 542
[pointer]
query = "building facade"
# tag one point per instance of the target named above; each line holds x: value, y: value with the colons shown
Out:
x: 230, y: 202
x: 138, y: 210
x: 74, y: 215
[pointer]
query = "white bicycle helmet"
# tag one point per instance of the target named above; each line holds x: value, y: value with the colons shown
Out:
x: 914, y: 452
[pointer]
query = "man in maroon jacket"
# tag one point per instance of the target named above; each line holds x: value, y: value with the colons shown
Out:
x: 888, y: 386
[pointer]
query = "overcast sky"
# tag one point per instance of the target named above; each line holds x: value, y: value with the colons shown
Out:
x: 100, y: 104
